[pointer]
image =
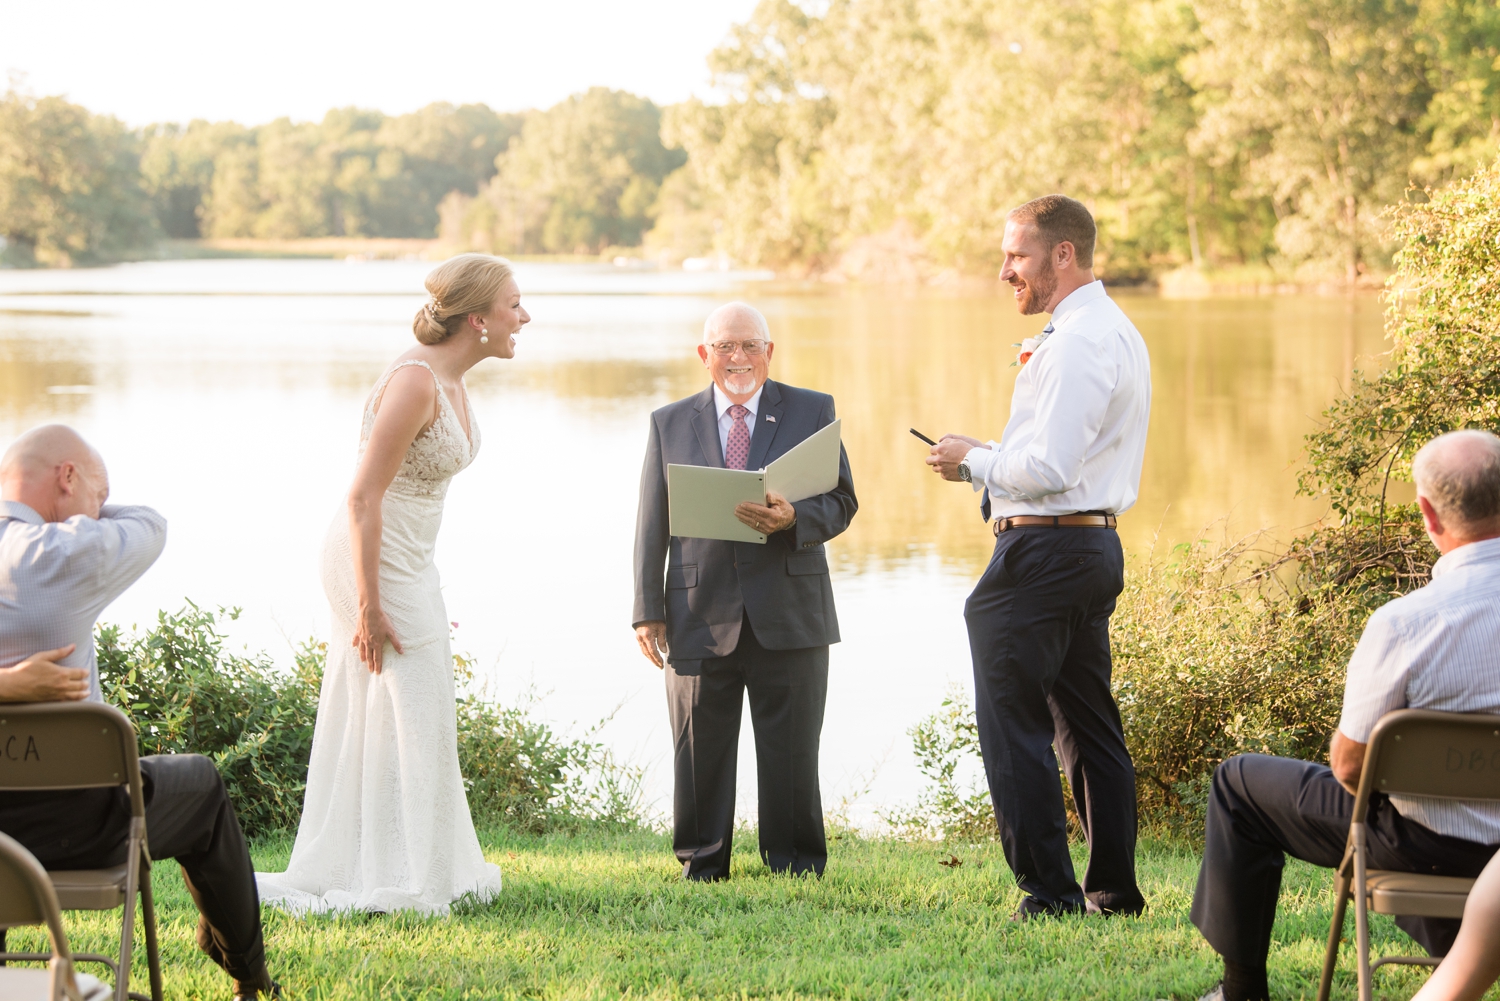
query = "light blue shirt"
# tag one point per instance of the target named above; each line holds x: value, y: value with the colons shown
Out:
x: 1435, y: 648
x: 56, y: 577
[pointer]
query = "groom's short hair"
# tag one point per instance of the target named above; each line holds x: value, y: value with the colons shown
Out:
x: 1059, y: 218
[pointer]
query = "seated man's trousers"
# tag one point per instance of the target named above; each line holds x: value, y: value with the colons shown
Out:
x: 705, y: 700
x: 1262, y: 809
x: 188, y: 818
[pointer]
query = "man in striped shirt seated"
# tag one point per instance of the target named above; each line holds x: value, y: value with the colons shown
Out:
x: 1436, y: 648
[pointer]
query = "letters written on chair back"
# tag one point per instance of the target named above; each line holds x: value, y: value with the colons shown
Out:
x: 1445, y: 755
x: 62, y: 746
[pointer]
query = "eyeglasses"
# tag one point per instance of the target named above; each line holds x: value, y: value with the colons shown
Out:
x: 754, y: 346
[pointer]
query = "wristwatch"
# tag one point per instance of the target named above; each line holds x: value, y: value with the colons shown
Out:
x: 964, y: 472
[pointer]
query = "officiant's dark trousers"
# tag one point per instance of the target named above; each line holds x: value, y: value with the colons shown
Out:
x: 705, y: 698
x: 1039, y: 636
x: 189, y: 817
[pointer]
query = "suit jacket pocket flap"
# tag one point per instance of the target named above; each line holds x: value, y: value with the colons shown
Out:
x: 803, y: 564
x: 684, y: 576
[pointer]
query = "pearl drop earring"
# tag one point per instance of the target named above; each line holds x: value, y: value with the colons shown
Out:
x: 484, y: 335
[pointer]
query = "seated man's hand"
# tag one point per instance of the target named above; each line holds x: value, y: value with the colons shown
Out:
x: 776, y: 516
x: 39, y: 678
x: 948, y: 453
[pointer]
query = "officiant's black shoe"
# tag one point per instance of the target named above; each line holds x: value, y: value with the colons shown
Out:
x: 244, y: 992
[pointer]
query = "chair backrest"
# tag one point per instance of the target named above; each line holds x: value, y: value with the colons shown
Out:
x: 1421, y: 752
x: 68, y: 745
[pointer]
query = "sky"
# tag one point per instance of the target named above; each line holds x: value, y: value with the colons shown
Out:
x: 173, y: 61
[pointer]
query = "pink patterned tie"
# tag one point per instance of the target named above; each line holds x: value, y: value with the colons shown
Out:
x: 737, y: 450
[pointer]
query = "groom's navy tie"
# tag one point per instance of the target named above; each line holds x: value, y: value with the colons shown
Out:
x: 984, y: 501
x: 737, y: 449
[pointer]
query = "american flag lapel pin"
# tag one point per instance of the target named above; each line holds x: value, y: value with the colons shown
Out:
x: 771, y: 418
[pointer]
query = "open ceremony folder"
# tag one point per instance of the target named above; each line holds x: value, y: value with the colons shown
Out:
x: 701, y: 499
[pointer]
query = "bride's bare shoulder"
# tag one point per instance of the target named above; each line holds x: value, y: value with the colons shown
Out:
x: 406, y: 387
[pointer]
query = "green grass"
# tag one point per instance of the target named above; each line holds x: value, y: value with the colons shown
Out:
x: 607, y: 916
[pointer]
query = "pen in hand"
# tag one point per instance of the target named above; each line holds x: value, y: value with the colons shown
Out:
x: 923, y: 436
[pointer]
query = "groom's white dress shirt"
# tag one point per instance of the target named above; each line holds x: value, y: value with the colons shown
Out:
x: 1077, y: 431
x: 56, y: 577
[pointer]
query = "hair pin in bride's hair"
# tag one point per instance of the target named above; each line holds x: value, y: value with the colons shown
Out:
x: 434, y: 308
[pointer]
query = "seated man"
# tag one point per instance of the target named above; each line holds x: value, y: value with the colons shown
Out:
x: 1436, y: 648
x: 64, y: 556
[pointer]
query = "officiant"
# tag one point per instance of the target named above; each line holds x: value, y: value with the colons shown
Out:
x: 725, y: 618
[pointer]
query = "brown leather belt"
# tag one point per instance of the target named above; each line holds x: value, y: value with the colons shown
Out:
x: 1054, y: 521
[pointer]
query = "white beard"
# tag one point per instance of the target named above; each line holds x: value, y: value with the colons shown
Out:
x: 739, y: 385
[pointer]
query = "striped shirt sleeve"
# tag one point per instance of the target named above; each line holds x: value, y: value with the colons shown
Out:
x: 1377, y: 679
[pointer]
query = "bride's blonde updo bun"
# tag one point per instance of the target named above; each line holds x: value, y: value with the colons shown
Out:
x: 460, y: 286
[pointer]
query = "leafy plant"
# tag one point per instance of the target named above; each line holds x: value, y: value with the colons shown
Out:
x: 186, y: 694
x: 520, y: 773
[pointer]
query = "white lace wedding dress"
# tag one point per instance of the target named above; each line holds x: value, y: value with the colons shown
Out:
x: 385, y: 822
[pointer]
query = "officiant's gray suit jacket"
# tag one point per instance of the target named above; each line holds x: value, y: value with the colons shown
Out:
x: 705, y: 588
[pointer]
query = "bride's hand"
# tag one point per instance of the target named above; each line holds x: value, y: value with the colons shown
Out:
x: 374, y: 632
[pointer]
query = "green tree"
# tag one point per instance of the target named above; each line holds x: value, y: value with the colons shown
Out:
x: 1462, y: 41
x: 581, y: 176
x: 1323, y: 101
x: 70, y: 184
x: 1443, y: 372
x: 937, y: 117
x: 355, y: 173
x: 177, y: 167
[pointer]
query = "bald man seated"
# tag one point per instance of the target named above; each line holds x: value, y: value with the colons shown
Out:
x: 64, y: 556
x: 1435, y: 648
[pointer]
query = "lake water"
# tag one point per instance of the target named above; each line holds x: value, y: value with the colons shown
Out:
x: 227, y: 393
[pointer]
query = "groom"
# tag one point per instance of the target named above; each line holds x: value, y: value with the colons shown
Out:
x: 725, y: 617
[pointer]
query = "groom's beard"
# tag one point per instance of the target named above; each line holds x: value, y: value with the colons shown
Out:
x: 1037, y: 292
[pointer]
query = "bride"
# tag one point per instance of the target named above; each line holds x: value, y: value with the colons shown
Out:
x: 385, y: 823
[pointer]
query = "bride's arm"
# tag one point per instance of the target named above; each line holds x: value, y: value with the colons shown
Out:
x: 405, y: 410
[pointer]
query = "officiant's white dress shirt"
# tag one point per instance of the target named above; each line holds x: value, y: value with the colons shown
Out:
x: 1077, y: 431
x: 722, y: 404
x: 57, y: 576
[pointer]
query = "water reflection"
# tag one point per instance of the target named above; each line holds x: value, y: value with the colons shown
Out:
x: 228, y: 394
x: 41, y: 379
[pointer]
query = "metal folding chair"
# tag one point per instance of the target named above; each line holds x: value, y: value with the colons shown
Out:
x: 84, y: 745
x: 26, y: 898
x: 1414, y: 752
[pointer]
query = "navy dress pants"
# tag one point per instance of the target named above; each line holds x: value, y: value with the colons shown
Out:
x: 705, y: 702
x: 1039, y: 636
x: 1262, y: 809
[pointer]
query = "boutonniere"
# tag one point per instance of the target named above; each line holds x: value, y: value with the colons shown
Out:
x: 1028, y: 348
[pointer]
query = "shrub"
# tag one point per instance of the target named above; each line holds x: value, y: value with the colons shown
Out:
x: 520, y: 773
x: 186, y: 694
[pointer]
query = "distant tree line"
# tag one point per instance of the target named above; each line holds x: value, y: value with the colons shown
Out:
x: 1216, y: 133
x: 1213, y: 132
